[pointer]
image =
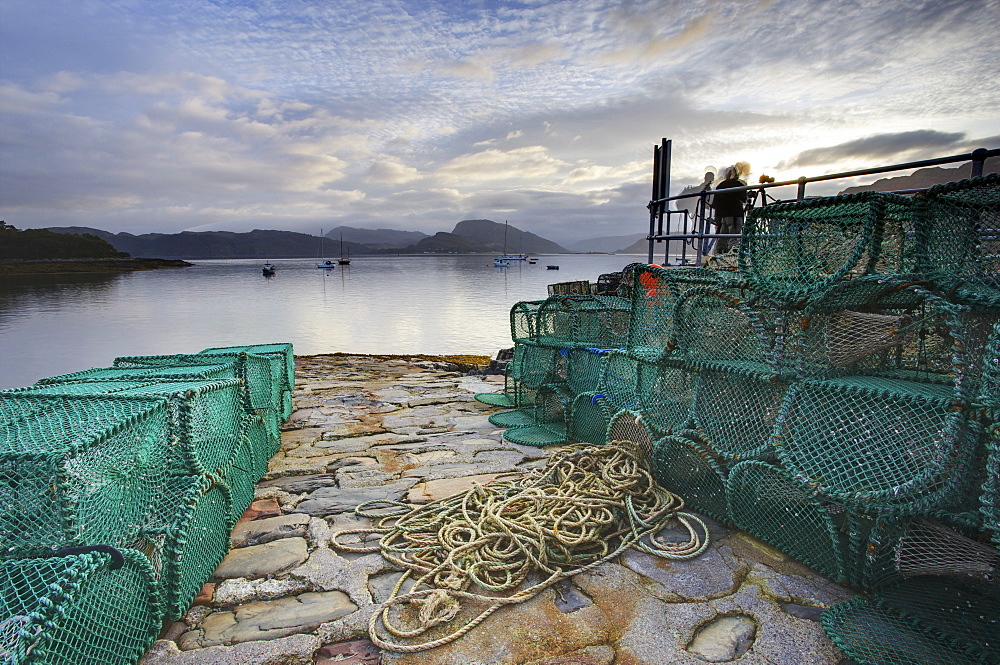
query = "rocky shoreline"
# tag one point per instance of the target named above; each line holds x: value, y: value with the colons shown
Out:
x: 408, y: 429
x: 65, y: 266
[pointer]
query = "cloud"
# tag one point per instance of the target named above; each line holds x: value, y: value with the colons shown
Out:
x: 884, y: 147
x: 391, y: 173
x: 528, y: 162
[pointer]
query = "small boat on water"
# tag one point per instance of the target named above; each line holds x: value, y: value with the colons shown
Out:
x: 345, y: 259
x: 325, y: 264
x: 532, y: 261
x: 500, y: 262
x: 504, y: 261
x: 552, y: 267
x: 268, y: 269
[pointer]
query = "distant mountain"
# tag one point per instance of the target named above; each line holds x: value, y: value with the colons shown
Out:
x: 377, y: 238
x: 640, y: 246
x: 445, y: 243
x: 609, y: 244
x: 924, y: 178
x: 490, y: 235
x: 256, y: 244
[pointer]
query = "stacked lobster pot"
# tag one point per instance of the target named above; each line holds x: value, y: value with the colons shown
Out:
x: 837, y: 397
x: 120, y: 488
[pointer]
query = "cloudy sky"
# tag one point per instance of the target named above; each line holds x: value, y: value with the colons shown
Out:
x: 169, y: 115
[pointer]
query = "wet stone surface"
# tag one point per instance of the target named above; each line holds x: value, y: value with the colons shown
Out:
x: 406, y: 430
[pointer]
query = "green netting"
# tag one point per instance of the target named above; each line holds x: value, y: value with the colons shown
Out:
x: 574, y: 321
x: 80, y: 609
x: 262, y: 374
x: 537, y: 435
x: 589, y: 418
x: 989, y: 501
x: 241, y: 476
x: 78, y: 469
x: 620, y: 380
x: 875, y: 443
x: 666, y: 392
x: 796, y: 250
x: 692, y: 471
x: 769, y: 503
x: 633, y: 425
x: 584, y: 369
x: 496, y: 399
x: 182, y: 373
x: 514, y: 418
x: 186, y: 537
x: 524, y: 321
x: 515, y: 395
x: 716, y: 324
x: 534, y: 366
x: 872, y: 635
x: 280, y: 350
x: 735, y: 405
x: 263, y: 442
x: 960, y: 223
x: 655, y: 292
x: 207, y: 417
x: 548, y: 419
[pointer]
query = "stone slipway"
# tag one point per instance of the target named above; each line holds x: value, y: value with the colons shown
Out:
x: 367, y: 428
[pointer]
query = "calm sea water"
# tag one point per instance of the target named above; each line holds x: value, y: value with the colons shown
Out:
x: 388, y: 304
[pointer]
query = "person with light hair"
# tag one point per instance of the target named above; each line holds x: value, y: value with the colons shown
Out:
x: 729, y: 206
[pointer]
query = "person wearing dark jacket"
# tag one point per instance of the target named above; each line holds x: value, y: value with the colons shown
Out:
x: 729, y: 206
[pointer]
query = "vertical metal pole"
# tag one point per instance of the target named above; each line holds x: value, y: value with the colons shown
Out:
x: 802, y: 189
x: 978, y: 160
x: 653, y: 205
x: 665, y: 148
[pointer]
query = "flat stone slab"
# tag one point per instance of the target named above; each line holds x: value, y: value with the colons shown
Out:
x: 271, y: 558
x: 265, y: 620
x: 714, y: 574
x: 301, y: 484
x: 331, y: 500
x: 258, y: 532
x: 433, y: 490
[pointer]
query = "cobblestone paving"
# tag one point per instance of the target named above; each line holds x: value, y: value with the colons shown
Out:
x: 367, y: 428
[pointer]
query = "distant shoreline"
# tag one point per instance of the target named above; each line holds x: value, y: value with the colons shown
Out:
x: 66, y: 266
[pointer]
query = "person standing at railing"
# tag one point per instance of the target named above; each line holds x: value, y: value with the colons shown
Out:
x: 729, y: 206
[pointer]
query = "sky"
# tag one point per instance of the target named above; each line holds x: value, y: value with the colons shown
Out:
x: 170, y: 115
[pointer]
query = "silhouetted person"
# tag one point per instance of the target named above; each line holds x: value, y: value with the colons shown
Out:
x: 729, y: 206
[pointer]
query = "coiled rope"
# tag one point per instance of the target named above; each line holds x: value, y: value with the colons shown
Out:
x: 510, y: 540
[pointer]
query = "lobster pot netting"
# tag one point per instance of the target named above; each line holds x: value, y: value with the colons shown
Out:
x: 632, y: 425
x: 589, y: 418
x: 875, y: 444
x: 524, y: 321
x: 620, y: 380
x: 187, y: 537
x: 692, y: 471
x: 78, y: 469
x: 666, y: 392
x: 535, y: 366
x: 282, y: 352
x: 766, y: 501
x: 262, y: 375
x: 871, y: 635
x: 655, y: 292
x: 84, y: 609
x: 713, y: 324
x: 584, y: 370
x: 796, y: 250
x: 580, y: 321
x: 961, y: 229
x: 548, y: 419
x: 735, y: 408
x: 515, y: 395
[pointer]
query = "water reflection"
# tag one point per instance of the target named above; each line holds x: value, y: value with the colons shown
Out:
x: 388, y: 304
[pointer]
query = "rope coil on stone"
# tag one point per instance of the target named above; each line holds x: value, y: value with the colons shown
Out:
x: 503, y: 543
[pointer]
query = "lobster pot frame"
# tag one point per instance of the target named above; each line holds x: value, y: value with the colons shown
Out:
x: 577, y: 321
x: 620, y: 380
x: 548, y: 419
x: 78, y: 469
x: 207, y: 418
x: 692, y: 471
x: 879, y: 445
x: 263, y: 375
x: 535, y: 366
x: 666, y: 392
x: 795, y: 250
x: 279, y: 351
x: 714, y: 324
x: 868, y: 633
x: 515, y: 395
x: 589, y: 418
x: 524, y: 321
x: 187, y: 537
x: 735, y: 406
x: 241, y: 475
x: 766, y: 501
x: 655, y: 292
x: 585, y: 368
x: 632, y: 425
x: 960, y: 224
x: 85, y: 609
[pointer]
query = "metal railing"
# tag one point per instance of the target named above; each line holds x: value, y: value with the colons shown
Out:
x: 693, y: 230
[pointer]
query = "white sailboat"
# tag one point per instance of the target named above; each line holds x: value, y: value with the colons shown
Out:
x: 324, y: 262
x: 504, y: 261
